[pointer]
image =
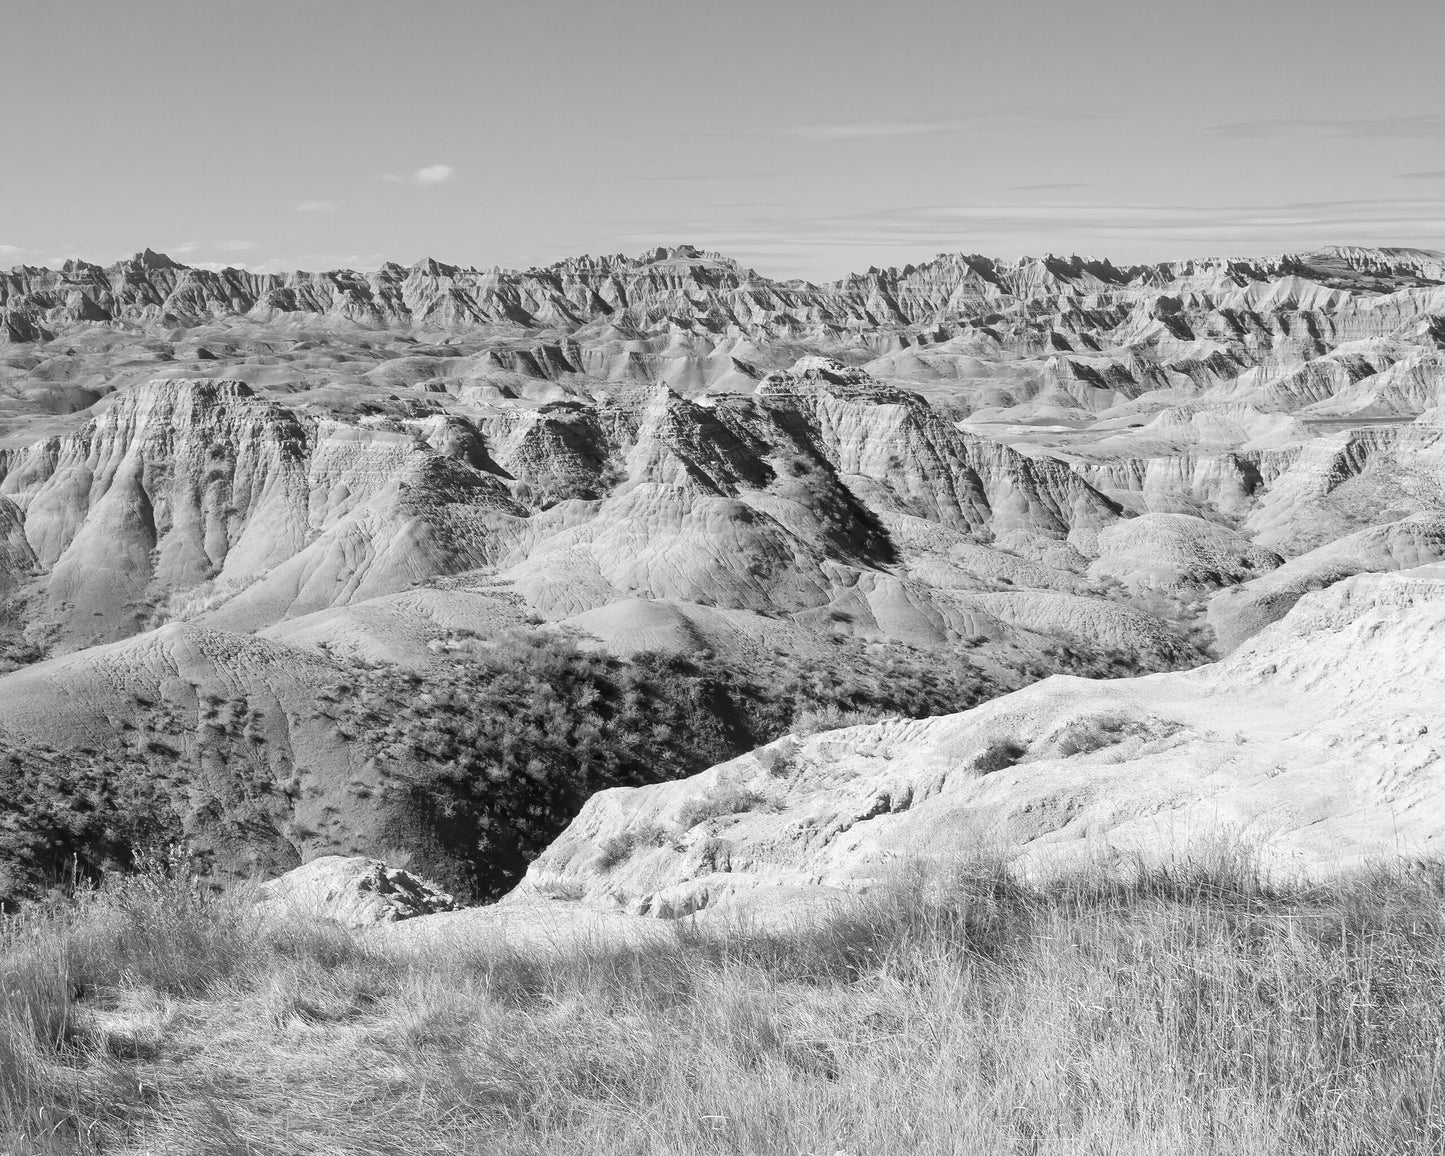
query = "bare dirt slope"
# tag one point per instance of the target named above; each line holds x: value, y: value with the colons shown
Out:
x: 1320, y: 742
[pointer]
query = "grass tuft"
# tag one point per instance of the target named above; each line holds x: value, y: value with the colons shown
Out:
x: 1194, y: 1007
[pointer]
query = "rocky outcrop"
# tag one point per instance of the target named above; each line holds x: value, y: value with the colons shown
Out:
x: 1316, y: 743
x: 353, y: 891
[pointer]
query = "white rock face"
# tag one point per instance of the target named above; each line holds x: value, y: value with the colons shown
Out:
x: 353, y: 891
x: 184, y: 487
x: 1322, y: 741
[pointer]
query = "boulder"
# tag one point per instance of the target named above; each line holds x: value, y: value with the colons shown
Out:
x: 354, y: 891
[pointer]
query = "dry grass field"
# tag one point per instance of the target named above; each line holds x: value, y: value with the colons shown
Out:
x: 1191, y: 1009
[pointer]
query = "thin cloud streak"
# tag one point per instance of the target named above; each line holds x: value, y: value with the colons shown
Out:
x: 683, y: 178
x: 1347, y: 128
x: 1425, y: 175
x: 875, y: 129
x: 426, y: 175
x: 999, y: 120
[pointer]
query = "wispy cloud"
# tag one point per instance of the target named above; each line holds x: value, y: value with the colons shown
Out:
x: 10, y: 250
x: 316, y: 207
x: 717, y: 177
x: 990, y: 121
x: 875, y: 129
x: 1048, y: 188
x: 427, y: 175
x: 1352, y: 128
x: 1424, y: 175
x: 182, y: 249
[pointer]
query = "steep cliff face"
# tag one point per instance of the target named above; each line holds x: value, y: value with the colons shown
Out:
x: 182, y: 485
x: 891, y: 436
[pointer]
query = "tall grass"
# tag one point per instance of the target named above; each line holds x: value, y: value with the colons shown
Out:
x: 1192, y: 1008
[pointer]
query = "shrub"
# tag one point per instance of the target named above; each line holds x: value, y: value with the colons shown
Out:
x: 515, y: 733
x: 723, y: 800
x: 619, y: 848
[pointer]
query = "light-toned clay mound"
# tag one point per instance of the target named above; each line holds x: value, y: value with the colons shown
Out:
x: 409, y: 627
x: 636, y: 625
x: 243, y: 736
x: 1322, y: 742
x: 1177, y: 550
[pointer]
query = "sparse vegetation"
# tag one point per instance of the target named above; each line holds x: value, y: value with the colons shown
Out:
x: 74, y: 815
x: 723, y: 800
x: 475, y: 763
x: 513, y: 734
x: 619, y: 848
x: 1193, y: 1009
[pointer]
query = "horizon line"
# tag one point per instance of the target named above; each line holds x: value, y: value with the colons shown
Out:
x: 695, y: 251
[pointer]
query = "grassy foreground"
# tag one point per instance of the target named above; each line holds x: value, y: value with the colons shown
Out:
x: 1191, y: 1010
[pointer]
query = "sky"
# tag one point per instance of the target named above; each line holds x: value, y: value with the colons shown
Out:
x: 805, y: 138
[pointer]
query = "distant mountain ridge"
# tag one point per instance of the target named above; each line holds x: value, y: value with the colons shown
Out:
x: 680, y: 286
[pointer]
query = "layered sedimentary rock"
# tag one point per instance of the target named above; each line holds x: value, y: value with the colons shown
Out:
x: 183, y: 486
x: 235, y: 488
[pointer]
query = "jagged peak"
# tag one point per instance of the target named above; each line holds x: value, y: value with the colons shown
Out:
x: 627, y: 263
x: 434, y: 268
x: 149, y: 259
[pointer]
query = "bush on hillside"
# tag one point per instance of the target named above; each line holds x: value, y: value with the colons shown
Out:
x: 516, y: 733
x: 69, y: 817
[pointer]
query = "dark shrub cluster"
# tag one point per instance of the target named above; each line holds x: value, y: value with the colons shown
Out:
x: 514, y: 734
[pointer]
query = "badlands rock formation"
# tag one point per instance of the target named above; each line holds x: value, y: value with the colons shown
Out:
x: 235, y: 508
x: 1319, y: 743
